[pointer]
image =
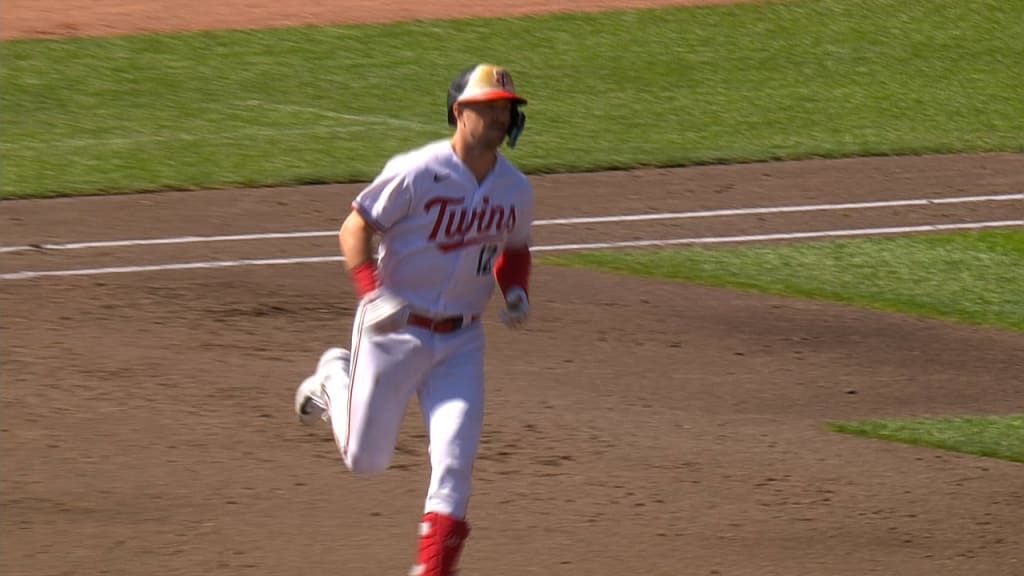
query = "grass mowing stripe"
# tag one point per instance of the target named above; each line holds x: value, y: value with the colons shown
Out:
x: 992, y: 436
x: 608, y: 90
x: 970, y: 277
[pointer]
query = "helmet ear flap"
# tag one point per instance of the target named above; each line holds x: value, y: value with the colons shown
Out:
x: 516, y: 125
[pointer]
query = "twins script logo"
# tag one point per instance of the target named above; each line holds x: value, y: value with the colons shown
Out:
x: 456, y: 226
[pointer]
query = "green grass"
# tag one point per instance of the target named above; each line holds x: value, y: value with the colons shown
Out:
x: 673, y: 86
x: 970, y: 277
x: 992, y: 436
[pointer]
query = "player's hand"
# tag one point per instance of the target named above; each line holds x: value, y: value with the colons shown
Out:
x: 517, y: 308
x: 384, y: 312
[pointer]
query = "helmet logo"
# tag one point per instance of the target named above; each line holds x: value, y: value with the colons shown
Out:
x: 502, y: 78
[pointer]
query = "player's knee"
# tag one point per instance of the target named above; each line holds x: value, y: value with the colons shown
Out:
x: 365, y: 462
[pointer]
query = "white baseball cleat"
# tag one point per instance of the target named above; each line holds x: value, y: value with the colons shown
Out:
x: 310, y: 404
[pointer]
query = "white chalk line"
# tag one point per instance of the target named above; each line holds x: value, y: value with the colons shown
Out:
x: 547, y: 222
x: 161, y: 267
x: 550, y: 248
x: 170, y: 240
x: 784, y: 236
x: 785, y: 209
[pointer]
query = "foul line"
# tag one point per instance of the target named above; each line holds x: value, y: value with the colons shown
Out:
x: 783, y: 236
x: 171, y: 240
x: 158, y: 267
x: 785, y: 209
x: 551, y: 248
x: 548, y: 222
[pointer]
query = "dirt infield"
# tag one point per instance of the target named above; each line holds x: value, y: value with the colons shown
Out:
x: 635, y: 427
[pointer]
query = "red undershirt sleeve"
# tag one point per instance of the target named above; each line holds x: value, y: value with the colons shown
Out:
x: 512, y: 268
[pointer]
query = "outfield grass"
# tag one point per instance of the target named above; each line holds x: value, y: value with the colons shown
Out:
x: 994, y: 436
x: 971, y: 277
x: 672, y: 86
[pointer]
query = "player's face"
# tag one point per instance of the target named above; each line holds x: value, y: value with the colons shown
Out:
x: 486, y: 122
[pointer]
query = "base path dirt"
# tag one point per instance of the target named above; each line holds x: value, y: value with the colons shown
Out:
x: 635, y: 427
x: 50, y: 18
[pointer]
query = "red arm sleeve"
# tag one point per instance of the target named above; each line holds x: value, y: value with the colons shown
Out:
x: 512, y: 268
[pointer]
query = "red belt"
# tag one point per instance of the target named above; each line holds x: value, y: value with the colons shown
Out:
x: 441, y: 325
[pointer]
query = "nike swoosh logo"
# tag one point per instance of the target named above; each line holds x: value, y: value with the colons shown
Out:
x: 439, y: 177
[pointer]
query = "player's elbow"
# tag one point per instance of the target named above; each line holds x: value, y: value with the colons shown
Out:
x: 353, y: 227
x: 355, y: 238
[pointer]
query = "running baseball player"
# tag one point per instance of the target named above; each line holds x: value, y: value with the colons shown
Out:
x: 453, y: 220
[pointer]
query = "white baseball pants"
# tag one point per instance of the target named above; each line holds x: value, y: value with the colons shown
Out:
x: 446, y: 372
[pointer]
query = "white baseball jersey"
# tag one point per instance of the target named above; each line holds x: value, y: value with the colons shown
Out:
x: 441, y: 230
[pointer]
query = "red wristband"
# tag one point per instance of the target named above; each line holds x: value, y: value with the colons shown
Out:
x: 512, y: 268
x: 364, y: 277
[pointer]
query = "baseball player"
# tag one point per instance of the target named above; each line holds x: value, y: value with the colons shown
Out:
x: 453, y: 221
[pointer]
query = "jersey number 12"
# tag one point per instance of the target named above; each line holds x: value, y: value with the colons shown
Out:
x: 485, y: 263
